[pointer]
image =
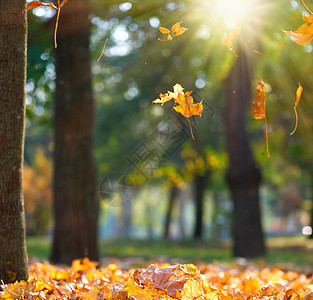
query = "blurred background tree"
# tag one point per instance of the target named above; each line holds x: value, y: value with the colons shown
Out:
x: 136, y: 68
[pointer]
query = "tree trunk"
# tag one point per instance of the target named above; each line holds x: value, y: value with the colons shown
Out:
x: 13, y: 32
x: 243, y: 175
x: 200, y: 183
x: 75, y: 204
x: 171, y: 200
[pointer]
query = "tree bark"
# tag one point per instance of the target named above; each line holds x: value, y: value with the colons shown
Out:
x: 200, y: 183
x: 13, y: 33
x: 171, y: 200
x: 75, y: 203
x: 243, y: 175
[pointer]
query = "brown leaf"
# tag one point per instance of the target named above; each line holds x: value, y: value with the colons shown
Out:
x: 259, y: 108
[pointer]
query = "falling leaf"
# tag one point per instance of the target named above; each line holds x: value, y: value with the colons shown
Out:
x: 259, y: 108
x: 176, y: 31
x: 183, y: 103
x: 298, y: 96
x: 304, y: 34
x: 102, y: 50
x: 227, y: 40
x: 164, y: 30
x: 186, y: 107
x: 36, y: 4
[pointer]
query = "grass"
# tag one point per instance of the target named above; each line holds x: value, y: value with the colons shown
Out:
x: 295, y: 251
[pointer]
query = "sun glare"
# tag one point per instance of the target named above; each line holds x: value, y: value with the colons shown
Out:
x: 232, y: 12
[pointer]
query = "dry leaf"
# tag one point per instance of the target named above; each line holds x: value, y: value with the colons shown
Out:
x: 192, y: 290
x: 304, y: 34
x: 36, y: 4
x: 183, y: 103
x: 105, y: 43
x: 176, y: 31
x: 259, y: 108
x: 298, y: 96
x: 227, y: 40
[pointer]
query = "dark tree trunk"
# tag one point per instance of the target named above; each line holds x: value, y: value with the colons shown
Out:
x: 13, y: 32
x: 200, y: 183
x: 243, y: 175
x: 75, y: 204
x: 171, y: 200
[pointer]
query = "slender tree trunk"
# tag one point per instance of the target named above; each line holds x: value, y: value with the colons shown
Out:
x: 200, y: 183
x: 243, y: 174
x: 171, y: 200
x: 13, y: 32
x: 181, y: 217
x: 75, y: 204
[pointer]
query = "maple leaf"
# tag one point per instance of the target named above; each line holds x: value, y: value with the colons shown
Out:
x: 298, y: 96
x: 174, y: 32
x: 227, y: 40
x: 259, y: 107
x: 186, y: 107
x: 192, y: 290
x: 304, y: 34
x: 183, y: 103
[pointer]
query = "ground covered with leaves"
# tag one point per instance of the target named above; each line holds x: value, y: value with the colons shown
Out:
x: 86, y: 280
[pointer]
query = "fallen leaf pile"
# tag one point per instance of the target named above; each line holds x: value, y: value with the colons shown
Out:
x: 85, y: 280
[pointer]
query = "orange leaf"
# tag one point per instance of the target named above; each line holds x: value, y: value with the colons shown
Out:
x: 176, y: 31
x: 227, y: 39
x: 259, y: 105
x: 298, y: 96
x: 36, y: 4
x: 164, y: 30
x: 259, y: 108
x: 304, y: 34
x: 186, y: 107
x: 176, y: 26
x: 234, y: 34
x: 180, y: 31
x: 292, y: 294
x: 184, y: 103
x: 192, y: 290
x: 102, y: 50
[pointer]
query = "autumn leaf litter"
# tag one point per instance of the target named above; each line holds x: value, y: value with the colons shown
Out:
x: 86, y: 280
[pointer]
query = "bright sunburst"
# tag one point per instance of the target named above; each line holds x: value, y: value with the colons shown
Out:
x: 232, y: 12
